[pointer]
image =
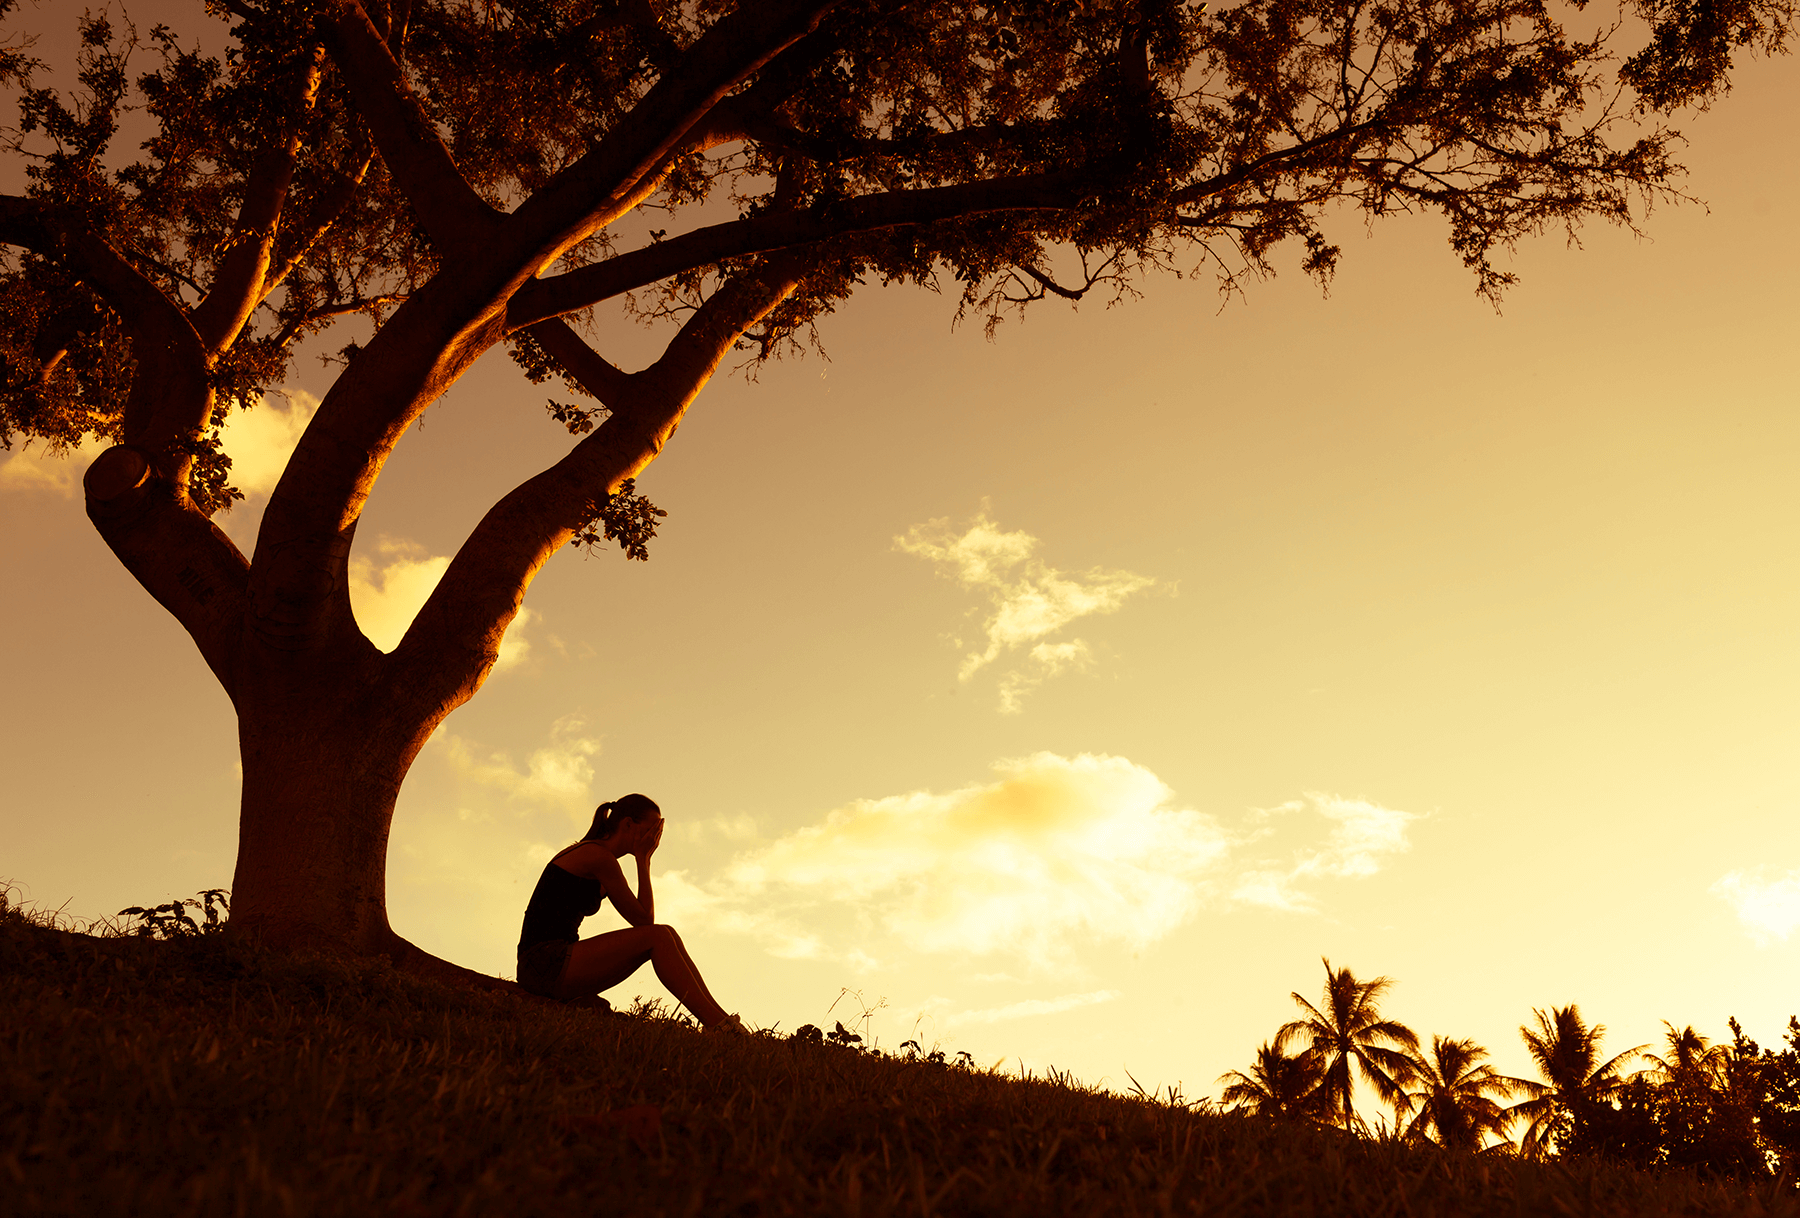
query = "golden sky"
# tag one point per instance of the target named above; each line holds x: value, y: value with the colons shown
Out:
x: 1075, y: 692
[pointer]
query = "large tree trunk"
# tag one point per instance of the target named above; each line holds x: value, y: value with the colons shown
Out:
x: 323, y: 763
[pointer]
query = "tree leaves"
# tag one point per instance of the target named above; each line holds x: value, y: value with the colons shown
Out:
x: 625, y: 517
x: 1689, y: 58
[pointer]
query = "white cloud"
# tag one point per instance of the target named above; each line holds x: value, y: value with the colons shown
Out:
x: 1271, y: 890
x: 1028, y: 600
x: 1362, y: 834
x: 1029, y: 1007
x: 739, y: 828
x: 35, y: 466
x: 681, y: 902
x: 1007, y: 878
x: 1058, y: 850
x: 260, y: 440
x: 558, y: 775
x: 386, y: 596
x: 1769, y: 909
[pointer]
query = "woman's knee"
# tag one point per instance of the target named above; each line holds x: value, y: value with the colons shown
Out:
x: 662, y: 932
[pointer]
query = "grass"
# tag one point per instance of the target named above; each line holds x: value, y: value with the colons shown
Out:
x: 200, y: 1076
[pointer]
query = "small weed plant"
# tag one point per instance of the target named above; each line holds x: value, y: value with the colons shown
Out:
x: 173, y: 921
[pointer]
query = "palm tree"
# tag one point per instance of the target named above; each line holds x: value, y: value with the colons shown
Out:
x: 1350, y: 1029
x: 1455, y: 1101
x: 1278, y: 1086
x: 1694, y: 1063
x: 1567, y: 1054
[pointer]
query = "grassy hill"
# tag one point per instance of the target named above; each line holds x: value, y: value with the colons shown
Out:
x: 203, y: 1077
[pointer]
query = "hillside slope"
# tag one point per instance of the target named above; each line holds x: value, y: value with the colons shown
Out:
x: 202, y: 1077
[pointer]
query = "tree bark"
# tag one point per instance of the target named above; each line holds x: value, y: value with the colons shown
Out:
x: 323, y: 763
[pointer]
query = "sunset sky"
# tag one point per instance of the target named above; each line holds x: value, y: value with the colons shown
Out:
x: 1075, y: 692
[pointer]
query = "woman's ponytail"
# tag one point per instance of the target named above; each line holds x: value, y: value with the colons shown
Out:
x: 606, y: 818
x: 627, y: 807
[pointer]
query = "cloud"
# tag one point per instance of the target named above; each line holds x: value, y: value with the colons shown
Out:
x: 1004, y: 879
x: 1058, y: 850
x: 739, y: 828
x: 1028, y: 600
x: 558, y: 775
x: 387, y: 595
x: 682, y: 902
x: 1362, y: 834
x: 38, y: 467
x: 1029, y: 1007
x: 1769, y: 909
x: 260, y: 440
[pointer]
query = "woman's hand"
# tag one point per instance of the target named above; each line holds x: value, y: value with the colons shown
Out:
x: 649, y: 838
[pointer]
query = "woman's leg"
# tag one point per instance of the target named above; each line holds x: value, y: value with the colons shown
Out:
x: 682, y: 961
x: 604, y: 961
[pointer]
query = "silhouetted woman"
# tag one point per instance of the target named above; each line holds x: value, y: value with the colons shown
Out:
x: 554, y: 963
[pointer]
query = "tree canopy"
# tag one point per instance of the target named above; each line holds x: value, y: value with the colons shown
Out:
x: 897, y: 141
x: 465, y: 176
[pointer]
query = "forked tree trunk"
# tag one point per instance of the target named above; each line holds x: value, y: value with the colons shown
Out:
x: 328, y: 726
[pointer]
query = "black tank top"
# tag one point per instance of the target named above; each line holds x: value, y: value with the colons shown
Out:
x: 558, y: 904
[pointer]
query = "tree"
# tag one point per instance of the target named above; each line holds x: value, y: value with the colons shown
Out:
x: 1706, y: 1102
x: 1777, y: 1082
x: 1567, y: 1055
x: 1693, y: 1060
x: 1626, y: 1127
x: 1279, y: 1087
x: 1349, y: 1030
x: 1713, y: 1109
x: 460, y: 175
x: 1455, y: 1101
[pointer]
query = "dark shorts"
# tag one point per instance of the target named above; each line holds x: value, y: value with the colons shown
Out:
x: 541, y: 967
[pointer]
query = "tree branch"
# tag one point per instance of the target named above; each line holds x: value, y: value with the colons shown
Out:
x: 137, y: 492
x: 325, y: 211
x: 616, y: 175
x: 1050, y: 285
x: 1195, y: 191
x: 239, y: 285
x: 453, y: 213
x: 295, y: 326
x: 455, y: 639
x: 179, y: 556
x: 771, y: 231
x: 171, y: 400
x: 601, y: 378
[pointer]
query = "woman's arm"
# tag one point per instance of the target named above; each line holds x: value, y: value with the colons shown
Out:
x: 606, y: 869
x: 645, y: 896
